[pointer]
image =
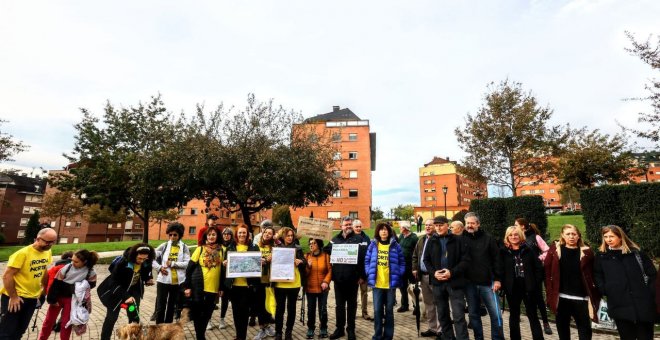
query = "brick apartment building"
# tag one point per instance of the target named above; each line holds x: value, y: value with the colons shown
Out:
x: 20, y: 197
x: 356, y: 158
x: 438, y: 177
x: 651, y: 162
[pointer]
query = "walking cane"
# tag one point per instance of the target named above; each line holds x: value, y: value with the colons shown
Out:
x: 302, y: 309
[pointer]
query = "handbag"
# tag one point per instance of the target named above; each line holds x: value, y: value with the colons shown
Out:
x: 270, y: 300
x: 641, y: 267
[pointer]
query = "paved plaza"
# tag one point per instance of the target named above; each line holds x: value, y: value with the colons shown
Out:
x: 404, y: 328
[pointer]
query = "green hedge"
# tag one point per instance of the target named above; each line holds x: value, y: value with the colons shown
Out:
x: 634, y: 207
x: 497, y: 214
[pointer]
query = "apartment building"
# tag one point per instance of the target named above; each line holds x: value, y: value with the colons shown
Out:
x: 20, y: 197
x: 356, y: 159
x: 440, y: 185
x: 650, y: 161
x: 547, y: 189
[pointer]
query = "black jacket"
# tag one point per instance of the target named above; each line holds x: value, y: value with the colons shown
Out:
x: 229, y: 282
x: 116, y: 288
x: 484, y: 252
x: 531, y: 264
x: 458, y: 259
x: 619, y: 277
x: 195, y: 277
x: 348, y: 273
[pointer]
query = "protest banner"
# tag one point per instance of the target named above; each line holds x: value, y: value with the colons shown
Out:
x: 314, y: 228
x: 344, y: 253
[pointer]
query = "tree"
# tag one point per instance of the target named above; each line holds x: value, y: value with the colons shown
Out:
x: 508, y: 139
x: 592, y: 157
x: 61, y: 204
x: 569, y: 196
x: 282, y: 216
x: 650, y: 55
x: 404, y: 212
x: 127, y: 160
x: 377, y: 214
x: 8, y: 146
x: 32, y: 228
x: 161, y: 216
x: 260, y: 156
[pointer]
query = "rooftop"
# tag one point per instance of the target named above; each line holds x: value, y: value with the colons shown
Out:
x: 337, y: 114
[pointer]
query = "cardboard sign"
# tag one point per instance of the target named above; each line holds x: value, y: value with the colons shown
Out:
x: 344, y: 253
x: 315, y: 228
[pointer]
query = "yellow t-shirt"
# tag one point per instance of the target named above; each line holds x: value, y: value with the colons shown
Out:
x: 174, y: 255
x: 383, y: 266
x: 211, y: 274
x: 241, y: 281
x: 296, y: 283
x: 265, y: 269
x: 31, y: 265
x: 136, y: 274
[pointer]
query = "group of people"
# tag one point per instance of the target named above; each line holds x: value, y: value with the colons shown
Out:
x: 456, y: 266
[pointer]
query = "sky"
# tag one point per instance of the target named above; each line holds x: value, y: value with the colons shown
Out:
x: 414, y: 69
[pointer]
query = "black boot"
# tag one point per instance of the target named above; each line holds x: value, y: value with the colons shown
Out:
x: 336, y: 334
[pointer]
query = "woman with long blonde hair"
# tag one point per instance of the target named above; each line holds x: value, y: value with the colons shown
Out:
x: 626, y: 276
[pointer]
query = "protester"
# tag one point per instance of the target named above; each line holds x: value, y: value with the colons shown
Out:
x: 265, y: 223
x: 65, y: 259
x: 286, y: 293
x: 125, y: 284
x: 59, y: 296
x: 347, y: 278
x: 23, y: 282
x: 484, y: 278
x: 569, y: 284
x: 522, y: 272
x: 422, y: 275
x: 241, y: 289
x: 536, y: 243
x: 407, y: 240
x: 202, y: 280
x: 420, y: 221
x: 227, y: 241
x: 265, y: 244
x: 626, y: 276
x: 456, y: 228
x: 171, y: 262
x: 384, y: 264
x: 447, y: 260
x: 364, y: 289
x: 319, y: 275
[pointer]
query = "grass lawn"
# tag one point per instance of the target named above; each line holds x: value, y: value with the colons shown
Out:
x: 98, y: 247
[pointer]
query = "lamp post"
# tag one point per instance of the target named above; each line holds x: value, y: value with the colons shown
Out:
x: 444, y: 191
x: 478, y: 194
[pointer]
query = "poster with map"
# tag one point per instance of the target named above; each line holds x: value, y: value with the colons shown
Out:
x: 282, y: 265
x: 243, y: 264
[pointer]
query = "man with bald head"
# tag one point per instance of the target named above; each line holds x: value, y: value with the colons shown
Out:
x: 23, y: 283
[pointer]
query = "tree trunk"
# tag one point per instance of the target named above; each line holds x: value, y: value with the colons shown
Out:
x: 145, y: 233
x: 246, y: 219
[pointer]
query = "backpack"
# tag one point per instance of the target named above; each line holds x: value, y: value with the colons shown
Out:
x: 115, y: 262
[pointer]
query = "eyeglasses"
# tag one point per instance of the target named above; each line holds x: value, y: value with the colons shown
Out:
x: 47, y: 242
x: 310, y: 243
x: 429, y: 224
x: 170, y: 235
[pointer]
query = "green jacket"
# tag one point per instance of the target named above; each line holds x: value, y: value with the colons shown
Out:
x: 408, y: 245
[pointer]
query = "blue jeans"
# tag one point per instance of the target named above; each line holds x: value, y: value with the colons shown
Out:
x: 475, y: 294
x: 383, y: 307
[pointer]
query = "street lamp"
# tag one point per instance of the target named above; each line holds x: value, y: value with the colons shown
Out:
x: 444, y: 191
x: 478, y: 194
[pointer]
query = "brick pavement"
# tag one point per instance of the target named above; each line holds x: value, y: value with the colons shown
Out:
x: 404, y: 322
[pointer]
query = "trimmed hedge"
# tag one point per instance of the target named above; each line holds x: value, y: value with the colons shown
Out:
x: 497, y: 214
x: 633, y: 207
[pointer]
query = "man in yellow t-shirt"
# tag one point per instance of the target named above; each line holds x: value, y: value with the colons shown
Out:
x: 23, y: 283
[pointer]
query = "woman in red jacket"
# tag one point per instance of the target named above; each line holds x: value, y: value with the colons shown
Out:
x: 569, y: 283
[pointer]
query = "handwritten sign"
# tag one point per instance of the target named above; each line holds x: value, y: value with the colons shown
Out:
x: 282, y: 265
x: 315, y: 228
x: 344, y: 253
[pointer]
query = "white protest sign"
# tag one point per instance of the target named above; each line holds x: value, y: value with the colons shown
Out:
x: 344, y: 253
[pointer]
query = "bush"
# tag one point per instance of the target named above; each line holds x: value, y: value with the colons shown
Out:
x: 2, y: 238
x: 570, y: 213
x: 635, y: 208
x: 497, y: 214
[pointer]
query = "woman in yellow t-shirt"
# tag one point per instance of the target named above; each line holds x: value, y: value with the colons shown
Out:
x: 242, y: 290
x: 286, y: 293
x: 202, y: 282
x: 385, y: 267
x: 265, y: 244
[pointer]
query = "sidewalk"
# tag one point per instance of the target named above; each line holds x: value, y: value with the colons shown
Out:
x: 404, y: 322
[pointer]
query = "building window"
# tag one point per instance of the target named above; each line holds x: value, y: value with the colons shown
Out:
x: 352, y: 193
x: 353, y: 214
x: 53, y: 224
x: 34, y: 198
x: 119, y: 225
x: 78, y: 225
x: 138, y: 226
x: 352, y: 155
x: 429, y: 190
x: 75, y: 240
x: 24, y: 222
x: 21, y: 234
x: 352, y: 174
x: 337, y: 156
x: 336, y: 174
x: 336, y: 194
x: 429, y: 181
x: 64, y: 240
x: 334, y: 215
x: 109, y: 225
x: 129, y: 225
x: 193, y: 211
x: 181, y: 211
x: 552, y: 191
x: 430, y: 198
x: 336, y: 137
x: 192, y: 230
x: 352, y: 137
x: 30, y: 210
x: 67, y: 224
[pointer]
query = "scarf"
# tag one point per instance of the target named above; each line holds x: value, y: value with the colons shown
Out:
x: 211, y: 256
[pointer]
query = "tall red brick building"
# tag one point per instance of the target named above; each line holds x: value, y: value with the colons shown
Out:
x: 356, y: 157
x: 20, y: 197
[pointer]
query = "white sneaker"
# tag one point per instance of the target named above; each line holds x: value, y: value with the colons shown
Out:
x: 222, y: 324
x: 270, y: 330
x: 260, y: 335
x: 209, y: 326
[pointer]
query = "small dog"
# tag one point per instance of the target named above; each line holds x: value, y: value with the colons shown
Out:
x: 163, y: 331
